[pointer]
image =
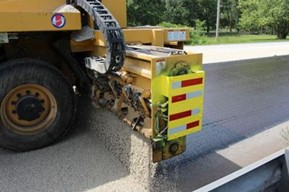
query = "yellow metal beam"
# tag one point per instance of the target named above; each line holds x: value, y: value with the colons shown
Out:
x: 118, y: 10
x: 37, y: 6
x: 40, y: 16
x: 154, y: 36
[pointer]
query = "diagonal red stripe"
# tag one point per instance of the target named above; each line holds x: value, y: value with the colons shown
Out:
x: 180, y: 115
x: 192, y: 82
x: 193, y: 124
x: 179, y: 98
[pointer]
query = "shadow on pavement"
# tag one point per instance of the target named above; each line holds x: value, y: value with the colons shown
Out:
x: 242, y: 99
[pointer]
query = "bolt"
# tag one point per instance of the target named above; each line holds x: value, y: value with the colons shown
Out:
x: 14, y: 111
x: 28, y: 92
x: 18, y: 95
x: 37, y: 94
x: 13, y: 103
x: 42, y: 101
x: 174, y: 148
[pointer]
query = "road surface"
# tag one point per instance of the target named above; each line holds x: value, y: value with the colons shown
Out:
x: 80, y: 162
x: 233, y: 52
x: 243, y: 101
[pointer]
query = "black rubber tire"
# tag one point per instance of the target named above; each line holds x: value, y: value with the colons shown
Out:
x: 33, y: 71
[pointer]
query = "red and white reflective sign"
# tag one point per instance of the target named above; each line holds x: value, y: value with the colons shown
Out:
x: 58, y: 20
x: 184, y: 114
x: 187, y: 83
x: 182, y: 128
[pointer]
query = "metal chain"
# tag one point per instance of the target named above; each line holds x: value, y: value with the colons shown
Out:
x: 108, y: 25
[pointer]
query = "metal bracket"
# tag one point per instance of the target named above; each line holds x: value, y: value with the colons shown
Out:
x: 284, y: 182
x: 86, y: 33
x: 4, y: 38
x: 287, y: 160
x: 97, y: 64
x: 112, y: 32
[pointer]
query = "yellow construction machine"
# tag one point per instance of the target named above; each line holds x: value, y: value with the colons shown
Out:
x: 51, y: 49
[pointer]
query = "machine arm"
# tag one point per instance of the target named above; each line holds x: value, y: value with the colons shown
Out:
x: 112, y: 33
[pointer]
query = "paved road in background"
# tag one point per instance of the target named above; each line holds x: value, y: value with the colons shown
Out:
x: 241, y: 100
x: 223, y: 53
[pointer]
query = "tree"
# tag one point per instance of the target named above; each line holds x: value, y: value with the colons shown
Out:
x: 208, y: 13
x: 145, y: 12
x: 261, y: 14
x: 176, y: 12
x: 230, y: 14
x: 184, y: 12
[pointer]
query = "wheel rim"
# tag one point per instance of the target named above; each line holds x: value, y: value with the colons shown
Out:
x: 28, y: 109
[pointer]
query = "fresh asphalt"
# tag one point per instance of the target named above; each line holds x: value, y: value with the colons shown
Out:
x: 242, y: 99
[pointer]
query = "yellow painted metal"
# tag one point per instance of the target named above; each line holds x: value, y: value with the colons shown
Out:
x: 146, y: 35
x: 194, y: 103
x: 36, y: 15
x: 23, y: 127
x: 153, y: 36
x: 82, y: 46
x: 118, y: 10
x: 158, y: 37
x: 152, y: 69
x: 168, y: 81
x: 37, y: 6
x: 155, y: 67
x: 162, y: 90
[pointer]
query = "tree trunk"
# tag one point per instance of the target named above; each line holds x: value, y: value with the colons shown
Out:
x: 282, y: 35
x: 282, y: 30
x: 231, y: 23
x: 208, y: 25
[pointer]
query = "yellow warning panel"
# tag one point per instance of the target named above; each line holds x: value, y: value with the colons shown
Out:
x: 185, y: 95
x: 178, y: 93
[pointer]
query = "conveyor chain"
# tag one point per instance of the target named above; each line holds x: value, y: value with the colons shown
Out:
x: 112, y: 32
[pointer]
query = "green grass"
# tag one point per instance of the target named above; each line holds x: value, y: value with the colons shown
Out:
x: 233, y: 39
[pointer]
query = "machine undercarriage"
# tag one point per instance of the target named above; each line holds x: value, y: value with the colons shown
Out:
x: 140, y: 74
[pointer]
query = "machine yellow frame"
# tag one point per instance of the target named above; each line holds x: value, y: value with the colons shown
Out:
x: 177, y: 99
x: 36, y: 17
x: 161, y: 89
